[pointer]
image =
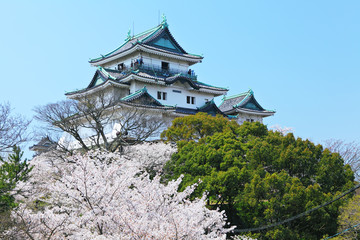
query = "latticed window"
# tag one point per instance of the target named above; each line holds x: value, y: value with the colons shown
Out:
x: 161, y: 95
x: 190, y: 100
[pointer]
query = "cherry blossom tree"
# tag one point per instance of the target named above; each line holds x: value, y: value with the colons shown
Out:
x: 282, y: 129
x: 103, y: 195
x: 349, y: 151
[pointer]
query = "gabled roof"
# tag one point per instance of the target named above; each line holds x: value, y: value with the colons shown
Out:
x: 100, y: 76
x: 164, y: 39
x: 244, y: 103
x: 158, y: 38
x: 211, y: 108
x: 43, y: 145
x: 141, y: 97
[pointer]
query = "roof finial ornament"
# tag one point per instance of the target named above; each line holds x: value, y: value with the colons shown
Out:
x: 129, y: 35
x: 164, y: 21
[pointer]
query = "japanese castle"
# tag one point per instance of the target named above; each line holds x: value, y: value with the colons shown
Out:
x: 151, y: 70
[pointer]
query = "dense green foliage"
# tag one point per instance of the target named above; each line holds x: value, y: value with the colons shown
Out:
x: 258, y: 176
x: 12, y: 171
x: 349, y: 219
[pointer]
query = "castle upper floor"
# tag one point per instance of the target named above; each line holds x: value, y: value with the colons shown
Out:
x: 155, y: 48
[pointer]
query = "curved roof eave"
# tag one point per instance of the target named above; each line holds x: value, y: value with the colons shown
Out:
x: 134, y: 76
x: 146, y: 107
x: 254, y: 112
x: 87, y: 91
x: 140, y: 47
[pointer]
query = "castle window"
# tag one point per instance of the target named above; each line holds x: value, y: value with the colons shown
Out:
x: 121, y: 66
x: 161, y: 95
x: 164, y: 65
x: 190, y: 100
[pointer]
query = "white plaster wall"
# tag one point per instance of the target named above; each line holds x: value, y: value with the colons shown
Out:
x: 174, y: 66
x: 174, y: 98
x: 151, y: 60
x: 243, y: 117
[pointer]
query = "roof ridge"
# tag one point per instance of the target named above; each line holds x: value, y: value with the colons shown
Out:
x: 208, y: 85
x: 250, y: 92
x: 128, y: 39
x: 106, y: 73
x: 144, y: 89
x: 147, y: 31
x: 104, y: 56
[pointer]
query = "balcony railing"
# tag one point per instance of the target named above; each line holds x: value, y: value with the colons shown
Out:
x: 158, y: 71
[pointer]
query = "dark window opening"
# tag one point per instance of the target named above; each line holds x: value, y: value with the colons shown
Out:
x: 190, y: 100
x: 121, y: 66
x: 164, y: 65
x: 161, y: 95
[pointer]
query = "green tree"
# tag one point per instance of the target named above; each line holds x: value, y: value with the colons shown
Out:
x: 12, y: 171
x: 257, y: 176
x: 350, y: 217
x: 194, y: 128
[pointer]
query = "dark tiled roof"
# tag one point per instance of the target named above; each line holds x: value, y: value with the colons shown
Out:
x: 115, y: 75
x: 244, y: 101
x: 141, y: 97
x: 162, y: 107
x: 164, y: 33
x: 44, y: 144
x: 229, y: 102
x: 211, y: 108
x: 186, y: 110
x: 129, y: 43
x: 148, y: 39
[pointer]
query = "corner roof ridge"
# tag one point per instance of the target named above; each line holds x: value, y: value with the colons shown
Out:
x: 235, y: 96
x: 128, y: 39
x: 103, y: 71
x: 108, y: 54
x: 208, y: 85
x: 248, y: 94
x: 144, y: 89
x: 146, y: 32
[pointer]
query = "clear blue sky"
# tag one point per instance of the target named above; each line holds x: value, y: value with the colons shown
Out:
x: 301, y: 58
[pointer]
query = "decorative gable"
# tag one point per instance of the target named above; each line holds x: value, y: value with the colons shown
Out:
x: 97, y: 80
x: 142, y: 97
x: 211, y: 108
x: 252, y: 104
x: 146, y: 99
x: 166, y: 41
